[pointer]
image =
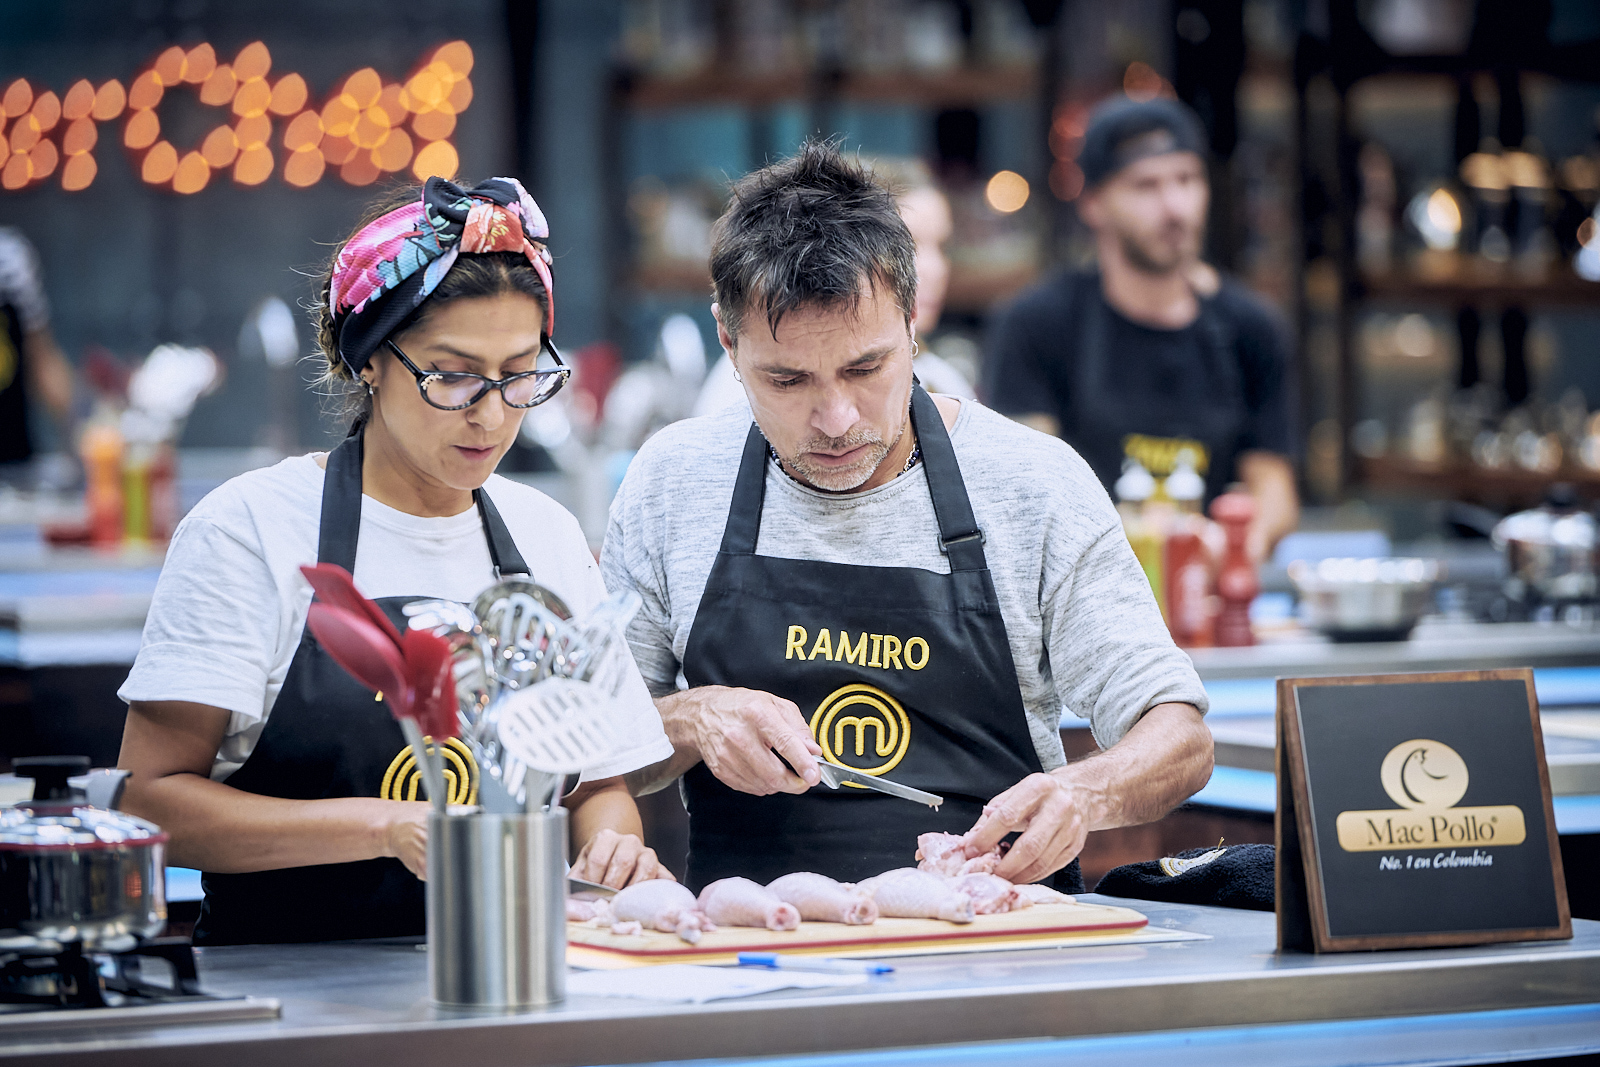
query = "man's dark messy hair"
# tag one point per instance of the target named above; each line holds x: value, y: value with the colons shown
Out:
x: 815, y: 230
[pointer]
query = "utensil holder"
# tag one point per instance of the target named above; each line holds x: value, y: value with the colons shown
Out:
x: 497, y: 932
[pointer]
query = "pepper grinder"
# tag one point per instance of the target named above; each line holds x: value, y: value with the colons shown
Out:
x: 1237, y: 582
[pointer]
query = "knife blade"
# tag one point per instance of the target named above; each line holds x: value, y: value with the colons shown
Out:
x: 580, y: 885
x: 834, y: 775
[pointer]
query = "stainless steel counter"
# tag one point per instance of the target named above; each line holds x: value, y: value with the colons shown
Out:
x: 368, y: 1003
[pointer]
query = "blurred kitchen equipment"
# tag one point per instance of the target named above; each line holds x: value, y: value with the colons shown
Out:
x: 559, y: 726
x: 1365, y: 599
x: 73, y: 873
x: 497, y: 909
x: 1550, y: 552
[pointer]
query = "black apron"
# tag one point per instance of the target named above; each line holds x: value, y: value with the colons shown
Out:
x: 901, y: 672
x: 15, y: 446
x: 328, y: 736
x: 1101, y: 411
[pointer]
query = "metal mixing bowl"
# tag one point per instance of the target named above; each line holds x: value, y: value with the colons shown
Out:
x: 1365, y: 599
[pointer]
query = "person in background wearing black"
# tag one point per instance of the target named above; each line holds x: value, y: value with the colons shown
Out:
x: 1154, y: 353
x: 31, y: 366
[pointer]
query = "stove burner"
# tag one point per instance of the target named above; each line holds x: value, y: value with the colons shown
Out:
x: 67, y: 976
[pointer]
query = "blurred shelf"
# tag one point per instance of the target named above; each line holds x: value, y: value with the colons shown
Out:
x: 979, y: 291
x: 1459, y: 480
x: 1557, y: 288
x: 672, y: 279
x: 955, y: 88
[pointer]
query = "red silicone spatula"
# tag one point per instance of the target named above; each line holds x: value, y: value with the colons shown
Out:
x: 333, y: 585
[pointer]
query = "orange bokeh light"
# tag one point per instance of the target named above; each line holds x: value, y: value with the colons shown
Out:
x: 219, y: 86
x: 220, y: 148
x: 160, y: 163
x: 304, y: 167
x: 80, y: 137
x: 79, y: 172
x: 1141, y: 82
x: 25, y: 134
x: 44, y: 158
x: 371, y: 129
x: 252, y: 99
x: 1066, y: 179
x: 142, y: 130
x: 361, y: 170
x: 79, y: 101
x: 425, y: 91
x: 304, y: 131
x: 288, y: 95
x: 145, y: 92
x: 338, y: 150
x: 434, y: 125
x: 253, y: 61
x: 253, y: 132
x: 390, y: 104
x: 438, y: 158
x: 254, y: 165
x: 460, y: 96
x: 192, y: 175
x: 394, y: 153
x: 200, y: 64
x: 363, y: 88
x: 18, y: 98
x: 18, y: 170
x: 457, y: 55
x: 339, y: 116
x: 47, y: 109
x: 170, y: 66
x: 5, y: 152
x: 109, y: 101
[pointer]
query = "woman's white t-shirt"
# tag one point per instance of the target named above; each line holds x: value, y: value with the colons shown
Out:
x: 231, y: 603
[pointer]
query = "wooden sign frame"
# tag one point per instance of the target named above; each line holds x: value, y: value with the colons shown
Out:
x: 1302, y: 893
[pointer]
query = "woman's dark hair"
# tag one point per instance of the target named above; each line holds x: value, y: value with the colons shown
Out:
x: 811, y: 230
x: 489, y: 274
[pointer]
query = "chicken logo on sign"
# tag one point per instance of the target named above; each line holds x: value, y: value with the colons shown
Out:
x: 1428, y: 779
x: 366, y: 128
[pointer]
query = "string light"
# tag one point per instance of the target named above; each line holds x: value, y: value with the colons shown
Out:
x: 366, y: 128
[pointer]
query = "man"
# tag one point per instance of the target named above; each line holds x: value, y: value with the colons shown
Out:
x: 907, y: 585
x: 30, y: 362
x: 1155, y: 353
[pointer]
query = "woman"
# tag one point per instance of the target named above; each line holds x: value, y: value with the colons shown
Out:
x: 272, y: 770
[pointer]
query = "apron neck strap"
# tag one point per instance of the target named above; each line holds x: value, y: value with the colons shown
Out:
x: 959, y: 535
x: 340, y: 528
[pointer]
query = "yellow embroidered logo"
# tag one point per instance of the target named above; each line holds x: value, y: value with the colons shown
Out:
x: 1428, y: 779
x: 843, y: 721
x: 403, y: 780
x: 886, y: 652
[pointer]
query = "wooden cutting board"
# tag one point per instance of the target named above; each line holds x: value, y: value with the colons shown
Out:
x: 1036, y: 927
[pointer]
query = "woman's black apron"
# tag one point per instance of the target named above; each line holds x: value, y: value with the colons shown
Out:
x: 328, y: 736
x: 901, y: 672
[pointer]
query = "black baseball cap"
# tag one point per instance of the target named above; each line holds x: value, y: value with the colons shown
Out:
x: 1123, y: 131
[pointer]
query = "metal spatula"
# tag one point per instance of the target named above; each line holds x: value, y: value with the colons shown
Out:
x: 558, y: 726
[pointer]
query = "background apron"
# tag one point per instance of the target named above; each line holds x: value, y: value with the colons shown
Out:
x: 328, y: 736
x: 914, y: 680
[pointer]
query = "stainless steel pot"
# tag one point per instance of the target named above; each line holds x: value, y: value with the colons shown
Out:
x: 70, y: 872
x: 1365, y: 599
x: 1550, y: 551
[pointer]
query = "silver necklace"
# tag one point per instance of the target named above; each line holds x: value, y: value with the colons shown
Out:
x: 911, y: 461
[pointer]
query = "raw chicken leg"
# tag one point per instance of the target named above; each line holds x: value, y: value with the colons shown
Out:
x: 741, y: 902
x: 662, y: 905
x: 991, y: 894
x: 821, y: 898
x: 945, y: 854
x: 1043, y: 894
x: 908, y: 893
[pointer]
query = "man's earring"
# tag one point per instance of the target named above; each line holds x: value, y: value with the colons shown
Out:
x: 736, y: 376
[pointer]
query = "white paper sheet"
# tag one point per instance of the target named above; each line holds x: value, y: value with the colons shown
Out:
x: 689, y: 983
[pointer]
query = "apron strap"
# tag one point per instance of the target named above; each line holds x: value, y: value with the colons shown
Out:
x: 340, y: 527
x: 744, y: 513
x: 959, y: 535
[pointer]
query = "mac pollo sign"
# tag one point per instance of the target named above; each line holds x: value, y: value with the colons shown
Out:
x: 267, y: 123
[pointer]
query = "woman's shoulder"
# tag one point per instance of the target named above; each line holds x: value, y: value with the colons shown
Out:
x: 523, y: 505
x: 285, y: 491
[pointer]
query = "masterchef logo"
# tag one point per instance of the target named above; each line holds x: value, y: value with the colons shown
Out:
x: 866, y: 650
x: 403, y: 780
x: 863, y: 728
x: 1427, y: 779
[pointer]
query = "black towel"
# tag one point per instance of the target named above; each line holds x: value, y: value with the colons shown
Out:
x: 1238, y: 876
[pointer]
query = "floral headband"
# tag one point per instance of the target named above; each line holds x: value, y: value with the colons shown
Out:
x: 387, y: 269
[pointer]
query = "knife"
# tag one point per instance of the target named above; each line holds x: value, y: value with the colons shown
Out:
x: 579, y: 885
x: 834, y: 775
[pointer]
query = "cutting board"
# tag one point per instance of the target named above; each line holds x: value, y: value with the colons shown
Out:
x: 1040, y: 926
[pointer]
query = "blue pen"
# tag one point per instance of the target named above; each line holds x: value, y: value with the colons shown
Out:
x: 779, y: 962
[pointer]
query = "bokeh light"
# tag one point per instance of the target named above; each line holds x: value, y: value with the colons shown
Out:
x: 1006, y: 192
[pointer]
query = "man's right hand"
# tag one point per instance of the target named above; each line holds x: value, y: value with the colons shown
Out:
x: 740, y: 735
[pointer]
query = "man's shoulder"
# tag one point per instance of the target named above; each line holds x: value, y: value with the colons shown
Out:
x: 989, y: 439
x: 1249, y: 311
x: 698, y: 450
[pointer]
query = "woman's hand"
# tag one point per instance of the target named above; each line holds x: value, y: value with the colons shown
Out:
x: 405, y: 835
x: 618, y: 860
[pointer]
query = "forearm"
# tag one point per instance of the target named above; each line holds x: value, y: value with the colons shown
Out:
x: 1270, y: 481
x: 676, y: 711
x: 1162, y: 761
x: 601, y: 805
x: 218, y: 828
x: 49, y: 373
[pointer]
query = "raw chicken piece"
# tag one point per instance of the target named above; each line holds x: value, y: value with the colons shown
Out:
x: 991, y: 894
x: 909, y: 893
x: 741, y: 902
x: 579, y: 911
x: 662, y: 905
x: 819, y: 897
x: 628, y: 929
x: 1043, y: 894
x: 945, y: 854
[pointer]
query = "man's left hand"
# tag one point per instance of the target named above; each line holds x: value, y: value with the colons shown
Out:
x: 1053, y: 815
x: 618, y: 860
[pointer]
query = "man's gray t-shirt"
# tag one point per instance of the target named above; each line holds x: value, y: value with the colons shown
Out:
x: 1084, y: 629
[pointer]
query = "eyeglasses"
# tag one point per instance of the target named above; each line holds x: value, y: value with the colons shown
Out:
x: 454, y: 390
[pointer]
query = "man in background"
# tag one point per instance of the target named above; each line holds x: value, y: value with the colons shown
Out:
x: 1154, y: 353
x: 31, y: 365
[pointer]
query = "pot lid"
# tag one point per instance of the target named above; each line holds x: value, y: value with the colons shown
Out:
x: 33, y: 825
